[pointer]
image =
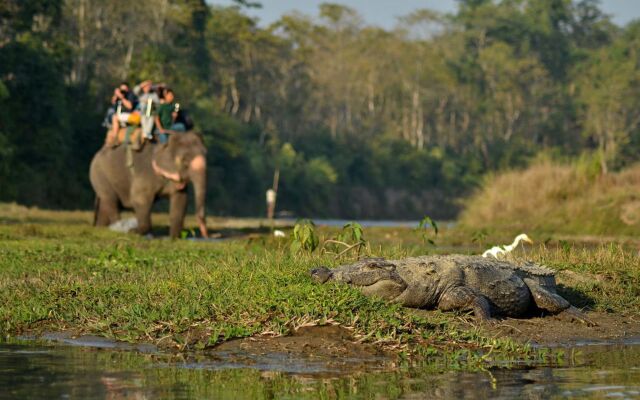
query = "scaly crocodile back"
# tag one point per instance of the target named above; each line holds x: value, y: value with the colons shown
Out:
x: 528, y: 268
x: 531, y: 268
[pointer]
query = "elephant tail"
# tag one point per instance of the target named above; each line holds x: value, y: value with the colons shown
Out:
x: 96, y: 207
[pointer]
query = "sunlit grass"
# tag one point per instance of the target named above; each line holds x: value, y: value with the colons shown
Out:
x: 181, y: 294
x: 603, y: 277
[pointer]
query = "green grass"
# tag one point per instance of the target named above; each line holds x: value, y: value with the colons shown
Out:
x: 188, y: 295
x: 176, y: 293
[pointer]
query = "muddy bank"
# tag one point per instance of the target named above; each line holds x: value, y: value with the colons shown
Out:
x: 317, y: 350
x: 337, y: 344
x: 553, y: 331
x: 329, y: 341
x: 332, y: 350
x: 556, y: 331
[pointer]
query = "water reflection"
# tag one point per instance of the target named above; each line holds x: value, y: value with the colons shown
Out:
x: 42, y: 371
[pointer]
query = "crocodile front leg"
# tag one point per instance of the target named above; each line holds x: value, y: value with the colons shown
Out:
x: 463, y: 298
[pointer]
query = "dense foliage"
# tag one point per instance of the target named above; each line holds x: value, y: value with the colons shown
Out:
x: 361, y: 121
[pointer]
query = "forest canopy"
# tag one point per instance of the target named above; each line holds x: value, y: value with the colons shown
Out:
x: 362, y: 122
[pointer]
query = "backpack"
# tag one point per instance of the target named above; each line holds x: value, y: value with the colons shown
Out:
x: 185, y: 118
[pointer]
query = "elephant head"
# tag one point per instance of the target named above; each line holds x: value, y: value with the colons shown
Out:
x: 182, y: 160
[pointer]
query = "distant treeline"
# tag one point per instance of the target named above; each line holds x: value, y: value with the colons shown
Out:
x: 361, y: 121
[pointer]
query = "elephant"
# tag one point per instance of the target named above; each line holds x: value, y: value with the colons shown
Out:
x: 135, y: 180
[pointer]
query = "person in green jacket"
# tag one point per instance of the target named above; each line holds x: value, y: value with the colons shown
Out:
x: 166, y: 118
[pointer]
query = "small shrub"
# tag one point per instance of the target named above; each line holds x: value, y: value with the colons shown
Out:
x: 304, y: 236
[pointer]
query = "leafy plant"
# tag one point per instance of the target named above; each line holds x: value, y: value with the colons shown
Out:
x: 304, y: 236
x: 425, y: 227
x: 352, y: 232
x: 350, y: 238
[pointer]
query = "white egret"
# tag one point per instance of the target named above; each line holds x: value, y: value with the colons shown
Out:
x: 278, y: 233
x: 495, y: 251
x: 502, y: 250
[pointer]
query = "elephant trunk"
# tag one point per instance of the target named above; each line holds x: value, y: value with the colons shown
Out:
x: 198, y: 175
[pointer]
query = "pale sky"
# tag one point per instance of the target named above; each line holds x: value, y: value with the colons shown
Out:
x: 384, y: 12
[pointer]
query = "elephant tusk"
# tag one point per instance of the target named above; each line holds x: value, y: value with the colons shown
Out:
x: 165, y: 174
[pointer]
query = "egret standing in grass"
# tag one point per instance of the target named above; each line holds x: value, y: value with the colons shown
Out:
x: 503, y: 250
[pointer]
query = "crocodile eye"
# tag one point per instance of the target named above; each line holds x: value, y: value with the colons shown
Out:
x: 379, y: 266
x: 429, y: 268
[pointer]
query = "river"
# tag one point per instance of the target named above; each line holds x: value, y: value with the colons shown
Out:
x: 44, y: 370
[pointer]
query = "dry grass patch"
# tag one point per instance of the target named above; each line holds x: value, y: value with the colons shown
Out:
x: 556, y: 198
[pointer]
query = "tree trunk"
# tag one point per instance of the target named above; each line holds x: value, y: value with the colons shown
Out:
x: 235, y: 97
x: 127, y: 59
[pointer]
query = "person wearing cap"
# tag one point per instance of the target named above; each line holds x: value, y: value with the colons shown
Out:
x: 148, y: 101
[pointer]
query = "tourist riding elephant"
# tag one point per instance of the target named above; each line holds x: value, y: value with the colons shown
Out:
x: 136, y: 180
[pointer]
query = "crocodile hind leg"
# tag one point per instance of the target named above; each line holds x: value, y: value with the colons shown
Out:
x: 553, y: 303
x: 463, y: 298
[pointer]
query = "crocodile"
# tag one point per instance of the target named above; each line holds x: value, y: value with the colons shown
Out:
x: 488, y: 287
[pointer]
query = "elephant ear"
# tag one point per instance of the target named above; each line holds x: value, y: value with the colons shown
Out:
x: 163, y: 158
x: 194, y: 142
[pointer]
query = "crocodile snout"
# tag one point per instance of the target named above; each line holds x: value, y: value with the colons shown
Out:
x: 320, y: 274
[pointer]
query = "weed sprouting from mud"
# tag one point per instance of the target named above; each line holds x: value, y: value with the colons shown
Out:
x: 425, y: 227
x: 349, y: 240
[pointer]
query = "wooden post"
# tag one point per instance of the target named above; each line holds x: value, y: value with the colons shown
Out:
x: 272, y: 195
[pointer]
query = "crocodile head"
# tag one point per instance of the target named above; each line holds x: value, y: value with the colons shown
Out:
x: 373, y: 276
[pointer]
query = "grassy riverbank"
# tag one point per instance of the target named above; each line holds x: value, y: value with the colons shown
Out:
x: 59, y: 273
x: 180, y: 294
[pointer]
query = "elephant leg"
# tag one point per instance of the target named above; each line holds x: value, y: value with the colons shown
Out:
x: 107, y: 211
x: 142, y: 209
x: 177, y: 210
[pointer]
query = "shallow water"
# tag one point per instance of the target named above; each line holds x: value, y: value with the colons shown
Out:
x: 43, y: 370
x: 367, y: 223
